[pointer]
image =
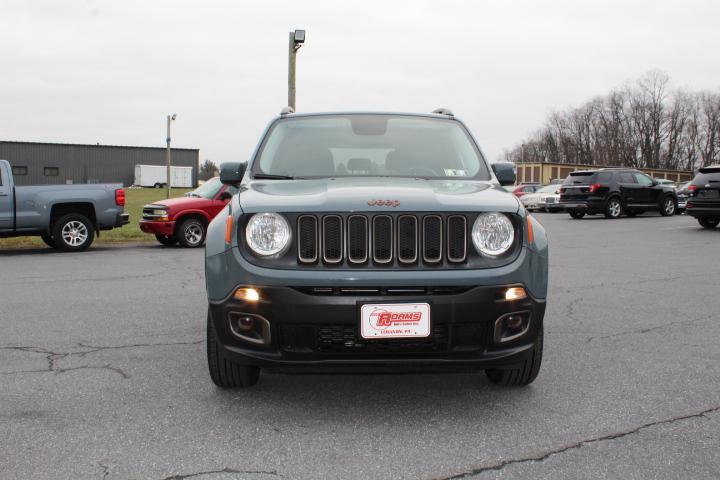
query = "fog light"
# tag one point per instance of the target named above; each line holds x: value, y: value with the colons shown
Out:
x: 515, y: 293
x: 247, y: 294
x: 511, y: 326
x: 250, y: 327
x: 513, y: 323
x: 245, y: 323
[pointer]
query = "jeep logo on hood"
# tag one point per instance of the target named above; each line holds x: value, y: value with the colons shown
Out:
x: 384, y: 203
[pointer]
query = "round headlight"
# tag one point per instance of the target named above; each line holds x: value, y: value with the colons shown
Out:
x: 493, y: 233
x: 267, y: 233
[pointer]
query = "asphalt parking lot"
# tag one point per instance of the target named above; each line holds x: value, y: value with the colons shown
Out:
x: 103, y: 376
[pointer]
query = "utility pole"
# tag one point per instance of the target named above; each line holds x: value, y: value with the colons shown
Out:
x: 295, y: 41
x: 170, y: 118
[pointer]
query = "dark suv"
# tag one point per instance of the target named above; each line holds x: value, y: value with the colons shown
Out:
x: 704, y: 201
x: 614, y: 191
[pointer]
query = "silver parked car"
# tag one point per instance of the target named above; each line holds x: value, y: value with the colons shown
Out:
x: 546, y: 198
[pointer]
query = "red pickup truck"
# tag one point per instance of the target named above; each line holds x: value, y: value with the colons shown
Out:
x: 184, y: 220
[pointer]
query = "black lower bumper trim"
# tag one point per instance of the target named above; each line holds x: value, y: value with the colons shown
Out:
x: 321, y: 332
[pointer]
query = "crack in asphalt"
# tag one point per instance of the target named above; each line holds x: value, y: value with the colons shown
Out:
x: 541, y: 457
x: 106, y: 470
x: 570, y: 308
x: 224, y: 470
x: 52, y: 357
x: 98, y: 348
x: 650, y: 329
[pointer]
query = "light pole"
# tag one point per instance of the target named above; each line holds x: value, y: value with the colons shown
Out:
x: 170, y: 118
x: 296, y: 40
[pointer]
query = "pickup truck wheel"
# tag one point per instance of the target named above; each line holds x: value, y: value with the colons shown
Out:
x: 73, y: 232
x: 525, y: 373
x: 48, y: 240
x: 166, y: 239
x: 224, y: 372
x: 191, y: 233
x: 577, y: 214
x: 668, y: 207
x: 709, y: 223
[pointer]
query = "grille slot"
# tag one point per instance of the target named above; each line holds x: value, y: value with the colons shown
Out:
x: 357, y: 239
x: 407, y: 238
x: 382, y: 239
x: 332, y: 239
x: 457, y: 238
x: 432, y: 239
x: 307, y: 239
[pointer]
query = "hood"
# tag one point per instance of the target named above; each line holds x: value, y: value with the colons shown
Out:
x: 183, y: 202
x: 384, y: 194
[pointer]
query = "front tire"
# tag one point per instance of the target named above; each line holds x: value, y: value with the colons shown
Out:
x: 191, y: 233
x: 223, y: 371
x: 708, y: 223
x: 668, y: 207
x: 525, y: 373
x: 613, y: 209
x: 48, y: 240
x: 166, y: 239
x: 73, y: 232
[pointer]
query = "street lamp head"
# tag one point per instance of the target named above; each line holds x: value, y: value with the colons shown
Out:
x: 299, y: 37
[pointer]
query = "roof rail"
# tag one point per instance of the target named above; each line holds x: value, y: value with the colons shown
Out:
x: 286, y: 111
x: 444, y: 111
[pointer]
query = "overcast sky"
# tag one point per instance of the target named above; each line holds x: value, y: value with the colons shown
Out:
x: 91, y: 71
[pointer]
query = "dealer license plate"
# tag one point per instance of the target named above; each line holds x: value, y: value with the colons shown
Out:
x: 395, y: 320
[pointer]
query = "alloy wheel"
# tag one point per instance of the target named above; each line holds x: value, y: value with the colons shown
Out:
x: 74, y: 233
x: 669, y: 206
x: 193, y: 234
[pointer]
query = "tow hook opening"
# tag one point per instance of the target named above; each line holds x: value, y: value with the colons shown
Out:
x: 250, y: 327
x: 511, y: 326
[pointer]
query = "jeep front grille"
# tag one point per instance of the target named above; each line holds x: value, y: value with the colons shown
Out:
x: 381, y: 239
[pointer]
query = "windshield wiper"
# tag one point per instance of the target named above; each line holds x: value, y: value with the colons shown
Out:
x: 269, y: 176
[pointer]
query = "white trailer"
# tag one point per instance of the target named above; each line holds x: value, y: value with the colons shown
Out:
x: 156, y: 176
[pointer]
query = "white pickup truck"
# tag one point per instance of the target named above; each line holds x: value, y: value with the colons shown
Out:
x: 66, y: 217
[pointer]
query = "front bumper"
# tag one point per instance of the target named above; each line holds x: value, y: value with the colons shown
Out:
x: 158, y: 228
x: 320, y: 331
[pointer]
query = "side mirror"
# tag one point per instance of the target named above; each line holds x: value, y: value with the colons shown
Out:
x: 505, y: 173
x: 225, y: 196
x: 232, y: 173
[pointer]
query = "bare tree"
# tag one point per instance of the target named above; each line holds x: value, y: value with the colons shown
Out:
x: 639, y: 125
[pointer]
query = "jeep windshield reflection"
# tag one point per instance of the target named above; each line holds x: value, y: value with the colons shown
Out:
x: 369, y: 145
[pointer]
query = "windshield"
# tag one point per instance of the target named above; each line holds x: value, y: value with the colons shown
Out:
x: 208, y: 189
x: 369, y: 145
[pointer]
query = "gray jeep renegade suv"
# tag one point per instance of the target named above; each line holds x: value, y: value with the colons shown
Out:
x: 373, y: 242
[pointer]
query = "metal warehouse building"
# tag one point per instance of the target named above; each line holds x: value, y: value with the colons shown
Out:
x: 35, y: 163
